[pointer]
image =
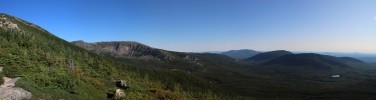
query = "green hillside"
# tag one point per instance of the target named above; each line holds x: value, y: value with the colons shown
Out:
x: 52, y: 68
x: 286, y: 78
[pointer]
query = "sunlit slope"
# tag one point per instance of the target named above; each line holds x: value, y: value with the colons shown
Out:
x: 52, y: 68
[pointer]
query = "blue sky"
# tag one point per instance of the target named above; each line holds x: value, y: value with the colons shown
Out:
x: 209, y: 25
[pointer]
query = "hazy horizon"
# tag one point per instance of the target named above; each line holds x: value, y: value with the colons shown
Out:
x: 210, y: 25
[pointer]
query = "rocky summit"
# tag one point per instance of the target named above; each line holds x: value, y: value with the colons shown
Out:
x: 125, y: 49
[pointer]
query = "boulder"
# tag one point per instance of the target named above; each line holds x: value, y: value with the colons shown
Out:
x: 8, y: 92
x: 119, y: 94
x: 14, y: 94
x: 121, y: 84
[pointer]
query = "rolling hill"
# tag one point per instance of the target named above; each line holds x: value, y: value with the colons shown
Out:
x: 316, y: 61
x: 240, y: 54
x: 266, y: 56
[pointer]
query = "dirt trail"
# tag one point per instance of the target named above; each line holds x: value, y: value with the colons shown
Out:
x: 9, y: 92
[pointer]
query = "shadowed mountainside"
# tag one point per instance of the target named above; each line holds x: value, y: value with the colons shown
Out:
x: 240, y: 54
x: 267, y: 56
x: 316, y: 61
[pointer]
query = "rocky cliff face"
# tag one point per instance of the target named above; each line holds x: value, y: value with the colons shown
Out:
x: 125, y: 49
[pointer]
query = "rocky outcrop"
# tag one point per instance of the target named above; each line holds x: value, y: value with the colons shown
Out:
x: 9, y: 92
x: 5, y: 23
x: 119, y: 94
x: 191, y: 58
x: 14, y: 94
x: 8, y: 24
x: 121, y: 84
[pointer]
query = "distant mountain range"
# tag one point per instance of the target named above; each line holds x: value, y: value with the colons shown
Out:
x: 212, y: 66
x: 121, y: 49
x: 287, y: 58
x: 247, y: 54
x: 366, y: 57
